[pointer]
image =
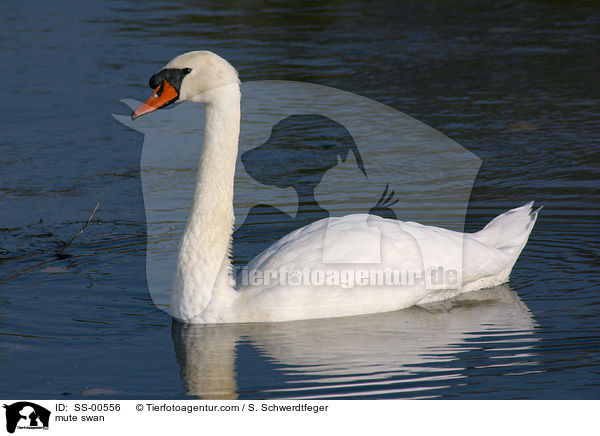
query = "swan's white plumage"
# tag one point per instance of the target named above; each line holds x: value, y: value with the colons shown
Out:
x: 403, y: 246
x: 204, y: 291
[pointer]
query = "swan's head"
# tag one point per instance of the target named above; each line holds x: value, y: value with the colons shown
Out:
x: 189, y: 77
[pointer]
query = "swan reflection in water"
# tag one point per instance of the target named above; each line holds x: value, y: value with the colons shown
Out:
x: 327, y: 357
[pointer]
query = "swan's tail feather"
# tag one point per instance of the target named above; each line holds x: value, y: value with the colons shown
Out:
x: 510, y: 231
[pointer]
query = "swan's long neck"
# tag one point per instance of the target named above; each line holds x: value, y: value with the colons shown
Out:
x: 203, y: 279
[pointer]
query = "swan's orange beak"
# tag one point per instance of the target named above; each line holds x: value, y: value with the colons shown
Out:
x: 163, y: 95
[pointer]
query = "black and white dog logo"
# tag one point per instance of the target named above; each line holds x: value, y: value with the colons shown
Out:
x: 26, y: 415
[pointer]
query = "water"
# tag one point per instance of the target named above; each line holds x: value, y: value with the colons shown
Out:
x: 514, y: 82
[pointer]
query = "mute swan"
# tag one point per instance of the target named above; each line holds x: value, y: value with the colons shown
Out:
x: 204, y: 290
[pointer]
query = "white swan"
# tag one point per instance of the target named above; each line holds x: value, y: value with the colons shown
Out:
x: 204, y: 290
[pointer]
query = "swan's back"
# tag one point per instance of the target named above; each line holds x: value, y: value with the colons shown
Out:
x: 361, y: 264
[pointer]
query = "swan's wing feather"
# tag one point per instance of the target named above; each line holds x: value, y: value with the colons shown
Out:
x: 402, y: 245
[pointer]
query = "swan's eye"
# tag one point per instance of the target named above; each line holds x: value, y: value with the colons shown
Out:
x: 187, y: 70
x: 159, y: 91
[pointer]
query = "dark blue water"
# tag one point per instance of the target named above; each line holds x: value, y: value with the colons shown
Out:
x: 514, y: 82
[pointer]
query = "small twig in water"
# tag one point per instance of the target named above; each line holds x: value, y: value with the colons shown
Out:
x: 61, y: 251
